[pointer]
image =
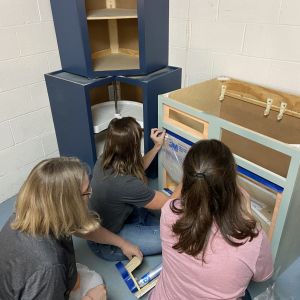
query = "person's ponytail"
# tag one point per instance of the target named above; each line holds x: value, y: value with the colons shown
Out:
x: 210, y: 196
x: 193, y: 227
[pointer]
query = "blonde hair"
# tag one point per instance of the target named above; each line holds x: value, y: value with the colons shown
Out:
x: 50, y: 200
x: 122, y: 149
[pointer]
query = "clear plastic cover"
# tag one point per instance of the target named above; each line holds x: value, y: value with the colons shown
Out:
x: 174, y: 151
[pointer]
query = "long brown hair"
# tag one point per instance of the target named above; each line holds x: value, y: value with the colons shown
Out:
x: 122, y: 150
x: 50, y: 200
x: 210, y: 194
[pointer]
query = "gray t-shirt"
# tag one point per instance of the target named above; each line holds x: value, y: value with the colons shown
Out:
x: 41, y: 268
x: 114, y: 197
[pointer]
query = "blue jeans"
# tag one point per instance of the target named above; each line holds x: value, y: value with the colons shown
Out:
x: 141, y: 228
x: 247, y: 296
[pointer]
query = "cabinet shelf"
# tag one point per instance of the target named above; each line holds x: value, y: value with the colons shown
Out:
x: 114, y: 61
x: 111, y: 13
x: 104, y: 112
x: 118, y: 48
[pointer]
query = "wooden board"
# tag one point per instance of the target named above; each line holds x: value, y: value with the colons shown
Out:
x: 116, y: 62
x: 98, y: 29
x: 244, y: 104
x: 111, y: 13
x: 128, y: 35
x: 258, y: 95
x: 203, y: 96
x: 131, y: 92
x: 102, y: 4
x: 259, y: 154
x: 186, y: 122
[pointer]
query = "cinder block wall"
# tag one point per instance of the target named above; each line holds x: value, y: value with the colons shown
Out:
x: 28, y: 50
x: 253, y: 40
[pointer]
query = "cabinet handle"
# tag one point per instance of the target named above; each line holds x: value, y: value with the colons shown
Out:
x: 268, y: 108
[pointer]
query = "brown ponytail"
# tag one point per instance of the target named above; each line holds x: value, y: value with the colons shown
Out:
x: 210, y: 194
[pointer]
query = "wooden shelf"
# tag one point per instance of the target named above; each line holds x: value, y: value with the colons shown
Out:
x: 111, y: 13
x: 116, y: 61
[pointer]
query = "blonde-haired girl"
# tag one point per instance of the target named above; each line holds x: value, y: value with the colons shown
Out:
x: 37, y: 258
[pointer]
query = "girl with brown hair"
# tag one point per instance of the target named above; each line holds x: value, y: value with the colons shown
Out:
x: 37, y: 258
x: 120, y: 194
x: 211, y: 244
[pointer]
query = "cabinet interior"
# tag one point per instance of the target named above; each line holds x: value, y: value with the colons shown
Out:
x: 110, y: 4
x: 205, y: 97
x: 102, y: 102
x: 168, y: 182
x: 124, y: 91
x: 264, y: 202
x: 113, y: 34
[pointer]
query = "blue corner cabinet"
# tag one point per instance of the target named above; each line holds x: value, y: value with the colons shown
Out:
x: 99, y: 38
x: 73, y: 99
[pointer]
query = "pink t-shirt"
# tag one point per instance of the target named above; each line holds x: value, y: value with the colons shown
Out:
x: 225, y: 275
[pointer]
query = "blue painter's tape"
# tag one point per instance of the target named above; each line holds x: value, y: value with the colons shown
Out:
x: 260, y: 179
x: 126, y: 277
x: 241, y: 170
x: 182, y: 139
x: 168, y: 191
x: 122, y: 270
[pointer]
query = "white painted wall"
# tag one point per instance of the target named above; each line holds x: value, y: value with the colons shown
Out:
x: 252, y: 40
x: 28, y: 50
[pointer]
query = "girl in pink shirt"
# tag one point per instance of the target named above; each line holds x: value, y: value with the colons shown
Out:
x: 211, y: 244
